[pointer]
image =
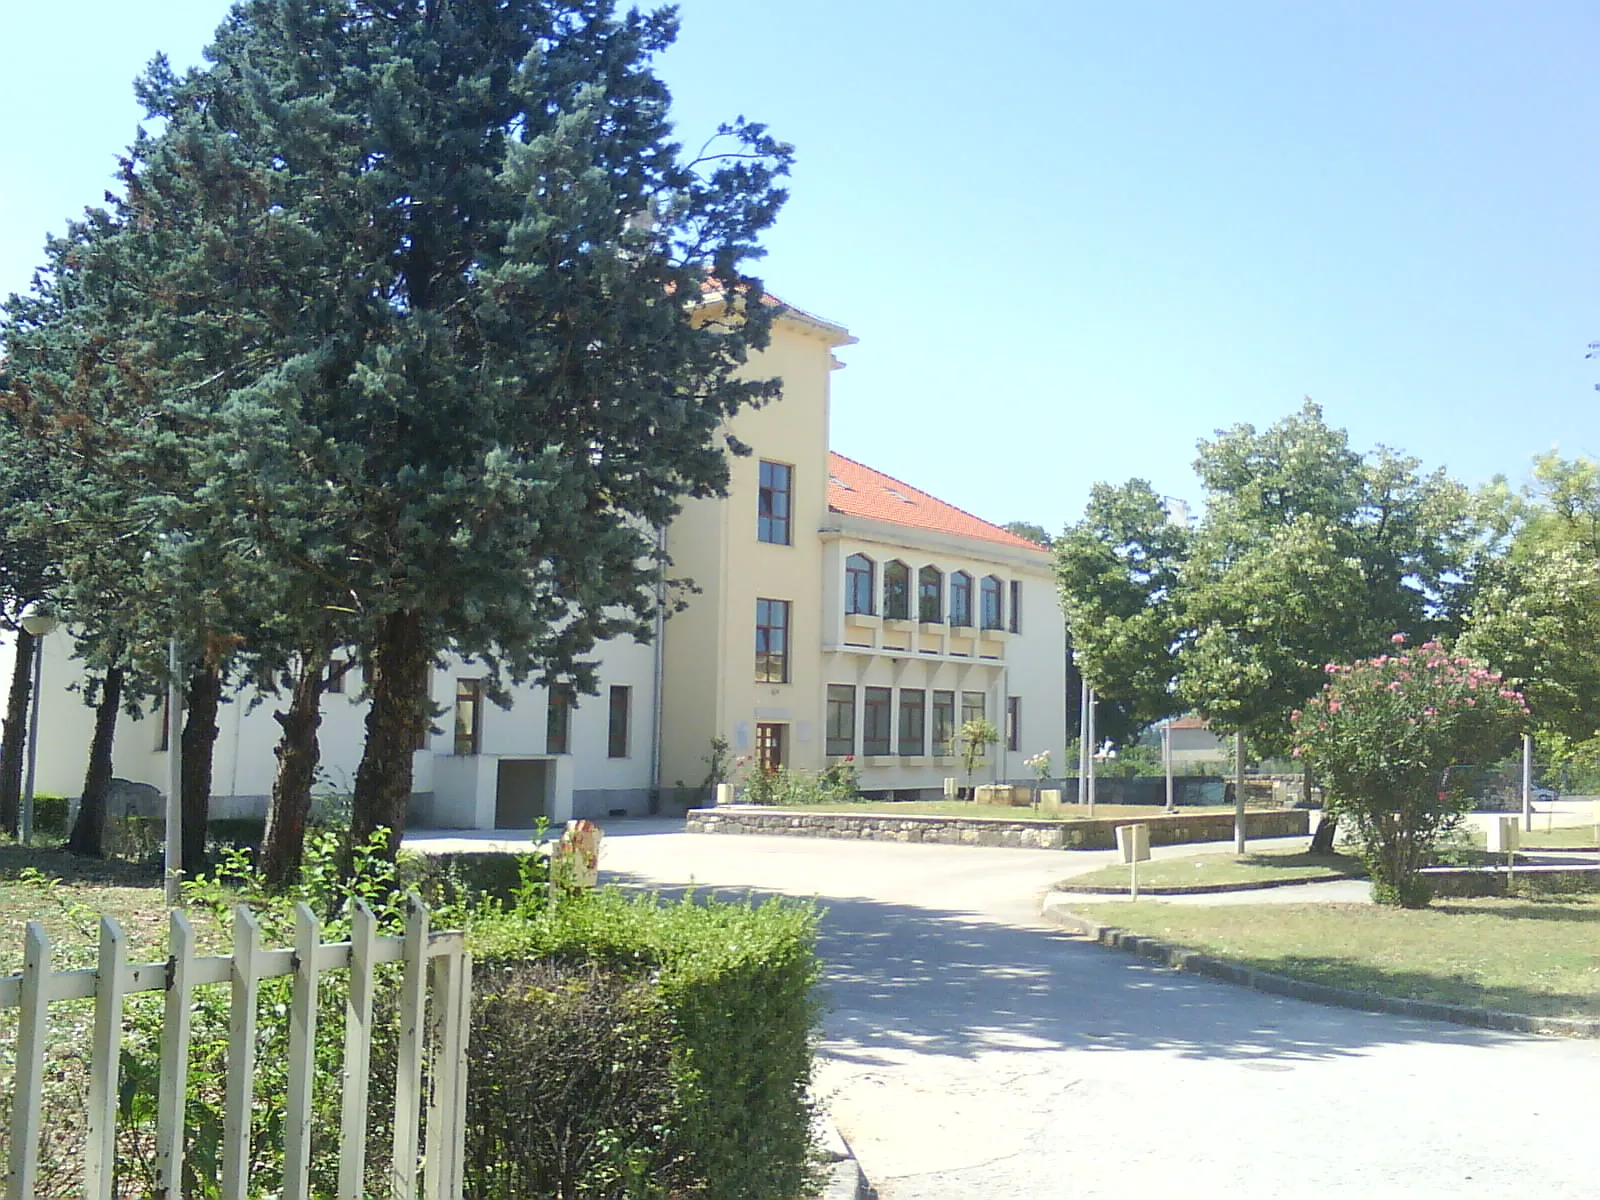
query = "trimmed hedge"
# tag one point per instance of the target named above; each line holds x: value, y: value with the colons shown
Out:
x: 736, y: 980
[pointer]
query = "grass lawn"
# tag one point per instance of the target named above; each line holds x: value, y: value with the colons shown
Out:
x: 68, y: 895
x: 966, y: 808
x: 1266, y: 866
x: 1560, y: 837
x: 1540, y: 957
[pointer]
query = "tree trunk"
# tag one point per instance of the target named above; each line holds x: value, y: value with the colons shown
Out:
x: 13, y: 743
x: 199, y: 740
x: 397, y: 683
x: 298, y: 754
x: 89, y: 830
x: 1327, y: 824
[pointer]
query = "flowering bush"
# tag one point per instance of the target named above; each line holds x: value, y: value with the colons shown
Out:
x: 1384, y: 733
x: 1039, y: 764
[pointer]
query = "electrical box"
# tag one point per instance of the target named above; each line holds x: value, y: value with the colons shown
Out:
x: 1133, y: 843
x: 1505, y: 835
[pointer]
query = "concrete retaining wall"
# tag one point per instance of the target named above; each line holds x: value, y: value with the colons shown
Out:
x: 1098, y: 834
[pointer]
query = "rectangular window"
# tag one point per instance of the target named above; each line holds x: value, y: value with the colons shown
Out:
x: 1016, y: 606
x: 1013, y: 722
x: 617, y: 733
x: 841, y: 719
x: 772, y: 521
x: 944, y: 721
x: 991, y: 601
x: 896, y: 591
x: 913, y: 721
x: 164, y: 733
x: 469, y: 716
x: 770, y: 745
x: 558, y: 719
x: 972, y: 706
x: 772, y: 641
x: 875, y: 735
x: 338, y: 670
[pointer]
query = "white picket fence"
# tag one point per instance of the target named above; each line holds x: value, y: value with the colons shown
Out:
x: 436, y: 981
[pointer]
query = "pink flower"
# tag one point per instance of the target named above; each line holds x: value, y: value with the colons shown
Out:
x: 1333, y: 706
x: 1398, y: 639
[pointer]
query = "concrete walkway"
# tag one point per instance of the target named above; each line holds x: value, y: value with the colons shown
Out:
x: 971, y: 1051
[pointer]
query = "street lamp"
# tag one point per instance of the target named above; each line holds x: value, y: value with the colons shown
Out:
x: 39, y: 622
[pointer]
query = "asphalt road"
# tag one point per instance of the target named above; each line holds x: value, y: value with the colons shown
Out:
x: 971, y: 1051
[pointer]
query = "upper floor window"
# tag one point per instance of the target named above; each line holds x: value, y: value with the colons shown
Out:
x: 772, y: 522
x: 993, y: 603
x: 930, y: 594
x: 896, y: 591
x: 859, y: 584
x: 1016, y: 606
x: 961, y: 598
x: 772, y: 641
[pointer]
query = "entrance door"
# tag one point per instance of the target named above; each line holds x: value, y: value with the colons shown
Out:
x: 771, y: 746
x: 520, y: 791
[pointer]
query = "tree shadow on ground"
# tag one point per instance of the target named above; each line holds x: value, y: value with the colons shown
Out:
x: 1552, y: 907
x: 54, y: 862
x: 906, y: 980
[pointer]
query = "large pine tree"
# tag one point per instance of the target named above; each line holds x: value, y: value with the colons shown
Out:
x: 432, y: 273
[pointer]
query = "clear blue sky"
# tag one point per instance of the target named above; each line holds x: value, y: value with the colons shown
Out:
x: 1073, y: 238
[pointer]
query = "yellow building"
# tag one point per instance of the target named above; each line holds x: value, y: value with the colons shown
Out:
x: 845, y: 613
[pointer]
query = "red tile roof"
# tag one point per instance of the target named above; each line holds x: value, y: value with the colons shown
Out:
x: 859, y: 491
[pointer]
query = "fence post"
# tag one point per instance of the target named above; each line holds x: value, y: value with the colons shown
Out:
x: 246, y: 983
x: 23, y: 1161
x: 105, y: 1058
x: 357, y: 1056
x: 302, y: 1056
x: 442, y: 1148
x: 174, y: 1086
x: 408, y: 1052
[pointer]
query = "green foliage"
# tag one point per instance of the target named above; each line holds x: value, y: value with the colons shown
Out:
x: 796, y: 786
x: 571, y: 1088
x: 1309, y: 553
x: 1383, y: 735
x: 718, y: 765
x: 1117, y: 572
x: 971, y: 742
x: 737, y: 980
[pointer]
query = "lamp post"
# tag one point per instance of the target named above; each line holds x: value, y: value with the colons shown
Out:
x: 40, y: 622
x: 1166, y: 758
x: 172, y: 859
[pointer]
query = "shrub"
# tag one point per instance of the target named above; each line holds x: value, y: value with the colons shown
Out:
x: 792, y: 786
x: 737, y: 980
x: 571, y: 1087
x: 50, y: 816
x: 1383, y: 735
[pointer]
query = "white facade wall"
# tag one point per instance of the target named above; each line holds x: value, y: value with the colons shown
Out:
x: 451, y: 791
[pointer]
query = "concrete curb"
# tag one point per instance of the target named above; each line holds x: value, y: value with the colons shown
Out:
x: 1201, y: 889
x: 1318, y: 993
x: 843, y: 1176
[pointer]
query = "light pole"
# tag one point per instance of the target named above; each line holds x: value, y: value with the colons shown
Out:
x: 1166, y: 758
x: 40, y: 622
x: 172, y: 862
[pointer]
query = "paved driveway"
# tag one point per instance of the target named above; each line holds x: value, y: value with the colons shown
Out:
x: 972, y: 1052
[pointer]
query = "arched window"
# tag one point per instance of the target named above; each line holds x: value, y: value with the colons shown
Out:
x: 961, y: 598
x: 993, y: 605
x: 930, y: 594
x: 859, y: 584
x: 896, y: 590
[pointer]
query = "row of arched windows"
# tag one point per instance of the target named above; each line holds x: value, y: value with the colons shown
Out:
x: 861, y: 594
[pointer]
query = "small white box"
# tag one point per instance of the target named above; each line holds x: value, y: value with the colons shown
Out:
x: 1505, y: 835
x: 1133, y: 842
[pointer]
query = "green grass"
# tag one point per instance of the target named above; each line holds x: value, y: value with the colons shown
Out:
x: 1540, y: 957
x: 1560, y: 837
x: 966, y: 808
x: 1263, y: 867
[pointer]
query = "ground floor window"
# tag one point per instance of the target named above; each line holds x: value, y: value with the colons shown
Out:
x: 770, y: 740
x: 913, y: 721
x: 944, y: 722
x: 1013, y: 722
x: 875, y: 735
x: 469, y: 716
x: 558, y: 720
x: 973, y: 706
x: 841, y: 719
x: 617, y: 734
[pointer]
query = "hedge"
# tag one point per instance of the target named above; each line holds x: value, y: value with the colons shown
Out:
x: 736, y: 981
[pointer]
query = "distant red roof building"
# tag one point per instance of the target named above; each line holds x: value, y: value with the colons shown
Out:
x: 859, y: 491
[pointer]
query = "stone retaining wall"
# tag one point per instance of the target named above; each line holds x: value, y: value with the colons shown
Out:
x: 1098, y: 834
